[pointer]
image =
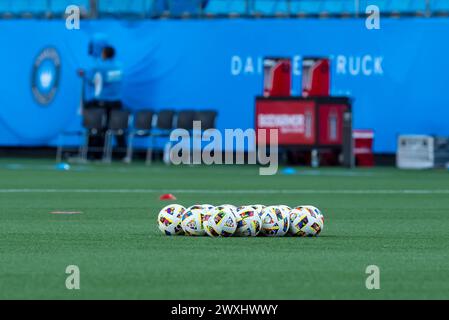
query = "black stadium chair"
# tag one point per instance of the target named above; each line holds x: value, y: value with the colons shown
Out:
x: 117, y: 127
x: 207, y: 119
x: 142, y: 125
x: 151, y: 125
x: 94, y: 120
x: 164, y: 120
x: 94, y: 123
x: 143, y: 121
x: 184, y: 119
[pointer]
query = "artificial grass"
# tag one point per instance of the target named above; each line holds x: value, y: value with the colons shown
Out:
x: 122, y: 255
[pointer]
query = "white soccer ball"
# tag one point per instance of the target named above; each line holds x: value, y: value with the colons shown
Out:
x: 234, y: 208
x: 259, y: 208
x: 169, y: 219
x: 221, y: 223
x: 249, y: 222
x: 305, y: 222
x: 317, y: 212
x: 192, y: 221
x: 275, y: 222
x: 285, y: 208
x: 207, y: 211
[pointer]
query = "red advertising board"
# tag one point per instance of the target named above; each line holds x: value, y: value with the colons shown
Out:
x: 331, y: 123
x: 294, y: 119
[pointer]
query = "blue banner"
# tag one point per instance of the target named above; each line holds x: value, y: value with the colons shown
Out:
x: 397, y: 75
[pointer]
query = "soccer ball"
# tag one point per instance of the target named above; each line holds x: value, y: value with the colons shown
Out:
x: 275, y: 222
x: 286, y: 209
x: 248, y: 222
x: 305, y: 222
x: 169, y: 219
x: 192, y: 221
x: 232, y: 207
x: 317, y: 212
x: 207, y: 211
x: 221, y: 223
x: 259, y: 208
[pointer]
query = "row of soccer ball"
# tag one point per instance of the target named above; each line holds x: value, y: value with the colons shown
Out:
x: 244, y: 221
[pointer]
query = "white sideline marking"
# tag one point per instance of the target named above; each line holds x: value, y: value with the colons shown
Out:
x: 208, y: 191
x: 65, y: 212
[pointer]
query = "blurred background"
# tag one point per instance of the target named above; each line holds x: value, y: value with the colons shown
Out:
x: 220, y: 55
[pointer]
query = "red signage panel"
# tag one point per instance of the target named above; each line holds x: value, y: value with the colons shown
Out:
x: 294, y: 119
x: 331, y: 123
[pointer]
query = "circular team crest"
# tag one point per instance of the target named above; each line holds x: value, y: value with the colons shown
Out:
x: 46, y: 75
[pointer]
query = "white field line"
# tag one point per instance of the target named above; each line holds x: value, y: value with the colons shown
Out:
x: 241, y: 191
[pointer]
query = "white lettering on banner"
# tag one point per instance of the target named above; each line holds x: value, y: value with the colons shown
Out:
x: 246, y: 66
x: 249, y: 66
x: 297, y: 65
x: 365, y: 65
x: 287, y: 123
x: 236, y: 65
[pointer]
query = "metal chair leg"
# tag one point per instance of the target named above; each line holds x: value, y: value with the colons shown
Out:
x: 149, y: 157
x: 84, y: 148
x: 129, y: 151
x: 167, y: 157
x: 107, y: 149
x: 109, y: 155
x: 59, y: 150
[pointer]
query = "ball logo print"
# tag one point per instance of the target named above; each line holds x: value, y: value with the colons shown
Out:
x: 45, y: 75
x: 192, y: 221
x: 230, y: 223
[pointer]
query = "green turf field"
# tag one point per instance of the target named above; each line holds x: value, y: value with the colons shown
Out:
x: 394, y: 219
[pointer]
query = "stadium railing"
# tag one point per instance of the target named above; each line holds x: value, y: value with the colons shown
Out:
x: 42, y: 8
x: 220, y: 8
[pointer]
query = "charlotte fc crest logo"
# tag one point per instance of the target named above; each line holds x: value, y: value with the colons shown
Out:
x: 46, y: 75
